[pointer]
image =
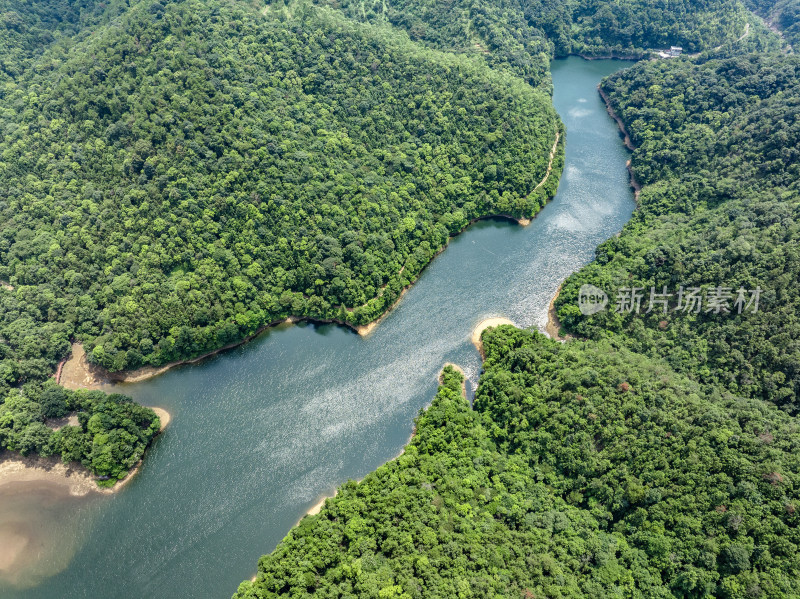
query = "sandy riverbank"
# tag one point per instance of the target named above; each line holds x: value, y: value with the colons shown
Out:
x: 317, y: 507
x: 482, y: 326
x: 553, y: 326
x: 163, y: 416
x: 366, y: 329
x: 15, y: 468
x: 76, y: 372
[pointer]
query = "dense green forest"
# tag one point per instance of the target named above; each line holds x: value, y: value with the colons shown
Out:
x: 583, y: 471
x: 109, y: 439
x: 522, y: 36
x: 718, y: 153
x: 177, y: 174
x: 28, y: 29
x: 782, y: 15
x: 653, y: 455
x: 212, y: 169
x: 215, y: 167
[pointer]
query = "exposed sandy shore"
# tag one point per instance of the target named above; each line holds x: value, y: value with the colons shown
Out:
x: 317, y: 507
x: 78, y: 373
x: 164, y: 417
x: 553, y: 325
x: 19, y: 542
x: 15, y: 468
x: 482, y: 326
x: 366, y: 329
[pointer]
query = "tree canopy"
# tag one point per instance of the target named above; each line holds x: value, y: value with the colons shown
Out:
x: 717, y: 153
x: 213, y: 169
x: 583, y: 471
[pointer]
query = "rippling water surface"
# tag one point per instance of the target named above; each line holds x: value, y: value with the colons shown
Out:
x: 261, y: 432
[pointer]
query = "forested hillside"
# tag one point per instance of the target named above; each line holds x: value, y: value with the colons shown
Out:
x: 212, y: 169
x: 583, y: 471
x: 522, y: 36
x: 182, y: 173
x: 29, y: 28
x: 177, y: 174
x: 782, y: 15
x: 718, y: 154
x: 655, y: 457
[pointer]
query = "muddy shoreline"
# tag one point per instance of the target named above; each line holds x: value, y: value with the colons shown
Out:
x: 553, y: 327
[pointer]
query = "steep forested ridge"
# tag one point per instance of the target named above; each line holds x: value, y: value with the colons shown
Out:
x: 717, y: 152
x: 781, y: 15
x: 213, y: 169
x: 174, y: 175
x: 28, y: 29
x: 583, y: 471
x: 182, y: 173
x: 521, y: 36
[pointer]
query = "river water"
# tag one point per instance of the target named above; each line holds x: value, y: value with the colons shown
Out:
x: 261, y: 432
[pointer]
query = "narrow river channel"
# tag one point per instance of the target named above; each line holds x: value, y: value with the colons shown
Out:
x: 261, y: 432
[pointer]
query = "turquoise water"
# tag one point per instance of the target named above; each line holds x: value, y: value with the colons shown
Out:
x: 261, y: 432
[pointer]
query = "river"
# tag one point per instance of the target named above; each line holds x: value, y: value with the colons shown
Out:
x: 261, y: 432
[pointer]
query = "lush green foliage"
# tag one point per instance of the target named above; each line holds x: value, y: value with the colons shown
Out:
x: 195, y: 169
x: 583, y: 471
x: 521, y: 36
x: 212, y: 169
x: 718, y: 149
x: 643, y: 462
x: 782, y: 15
x: 28, y: 28
x: 110, y: 438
